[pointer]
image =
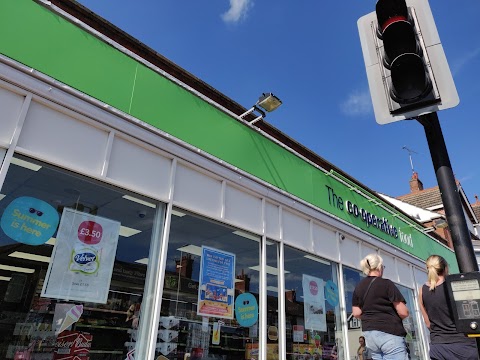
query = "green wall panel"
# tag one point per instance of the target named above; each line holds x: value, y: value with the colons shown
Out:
x: 43, y: 40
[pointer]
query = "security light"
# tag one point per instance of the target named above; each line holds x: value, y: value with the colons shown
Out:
x: 268, y: 102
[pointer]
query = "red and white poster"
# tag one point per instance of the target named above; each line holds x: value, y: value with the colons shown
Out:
x: 73, y: 345
x: 83, y: 257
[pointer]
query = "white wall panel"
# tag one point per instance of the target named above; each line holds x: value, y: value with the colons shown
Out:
x: 365, y: 250
x: 296, y: 231
x: 272, y: 219
x: 243, y: 209
x: 324, y: 241
x: 405, y: 274
x: 349, y: 252
x: 390, y: 271
x: 128, y: 160
x: 420, y: 277
x: 10, y: 106
x: 63, y: 139
x: 197, y: 191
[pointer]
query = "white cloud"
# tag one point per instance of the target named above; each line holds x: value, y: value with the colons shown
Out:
x: 459, y: 63
x: 358, y: 103
x: 238, y: 10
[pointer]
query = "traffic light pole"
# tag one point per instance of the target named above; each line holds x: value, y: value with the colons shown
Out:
x: 462, y: 242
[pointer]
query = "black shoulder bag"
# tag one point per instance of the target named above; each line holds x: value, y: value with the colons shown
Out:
x: 366, y: 292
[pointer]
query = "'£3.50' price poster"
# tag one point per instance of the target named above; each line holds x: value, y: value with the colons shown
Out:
x: 83, y: 257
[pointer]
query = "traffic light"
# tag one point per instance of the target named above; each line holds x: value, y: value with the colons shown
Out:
x: 407, y: 71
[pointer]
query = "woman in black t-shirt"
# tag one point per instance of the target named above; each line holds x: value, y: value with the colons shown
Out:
x: 381, y: 307
x: 445, y: 342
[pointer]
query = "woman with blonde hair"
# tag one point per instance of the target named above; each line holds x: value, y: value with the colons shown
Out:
x: 445, y: 342
x: 381, y: 307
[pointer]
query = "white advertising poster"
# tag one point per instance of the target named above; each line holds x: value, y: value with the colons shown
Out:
x: 83, y: 257
x: 314, y: 303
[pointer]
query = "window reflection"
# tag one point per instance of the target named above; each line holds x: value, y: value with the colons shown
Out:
x: 351, y: 279
x: 312, y: 311
x: 413, y: 338
x: 73, y: 255
x: 199, y: 298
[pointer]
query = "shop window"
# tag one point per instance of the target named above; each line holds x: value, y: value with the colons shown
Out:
x: 314, y: 329
x: 210, y: 298
x: 73, y: 264
x: 414, y: 338
x: 351, y: 279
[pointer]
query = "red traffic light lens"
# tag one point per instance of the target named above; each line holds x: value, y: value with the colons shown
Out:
x: 390, y: 10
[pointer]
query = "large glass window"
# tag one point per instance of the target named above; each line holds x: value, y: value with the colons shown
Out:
x: 351, y: 279
x: 73, y: 255
x: 414, y: 339
x: 314, y: 329
x: 210, y: 298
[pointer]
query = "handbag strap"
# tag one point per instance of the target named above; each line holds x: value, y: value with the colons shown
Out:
x: 368, y: 288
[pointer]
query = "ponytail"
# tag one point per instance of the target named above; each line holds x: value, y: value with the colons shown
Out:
x: 436, y: 266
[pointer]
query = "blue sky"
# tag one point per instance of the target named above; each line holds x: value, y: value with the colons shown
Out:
x: 308, y: 53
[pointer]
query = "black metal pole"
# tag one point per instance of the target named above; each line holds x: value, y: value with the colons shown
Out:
x: 462, y: 241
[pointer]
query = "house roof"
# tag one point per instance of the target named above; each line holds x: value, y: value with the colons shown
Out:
x: 476, y: 207
x: 419, y: 213
x: 425, y: 199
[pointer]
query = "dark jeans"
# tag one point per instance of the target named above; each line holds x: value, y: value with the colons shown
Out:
x: 455, y: 351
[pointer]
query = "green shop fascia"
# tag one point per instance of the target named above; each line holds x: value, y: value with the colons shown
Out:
x: 100, y: 70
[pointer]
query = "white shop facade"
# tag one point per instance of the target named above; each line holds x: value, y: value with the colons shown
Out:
x: 142, y: 220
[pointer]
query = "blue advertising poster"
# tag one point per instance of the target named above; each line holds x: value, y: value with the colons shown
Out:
x: 246, y: 309
x: 217, y: 284
x: 29, y: 220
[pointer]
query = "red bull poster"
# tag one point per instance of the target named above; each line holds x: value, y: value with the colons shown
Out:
x: 82, y: 260
x: 217, y: 281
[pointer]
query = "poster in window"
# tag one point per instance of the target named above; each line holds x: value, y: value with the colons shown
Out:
x: 217, y: 281
x: 314, y: 305
x: 83, y: 257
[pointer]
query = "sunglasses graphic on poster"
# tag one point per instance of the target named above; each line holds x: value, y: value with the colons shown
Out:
x: 83, y: 257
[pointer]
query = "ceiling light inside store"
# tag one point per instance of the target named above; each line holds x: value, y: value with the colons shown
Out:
x: 177, y: 213
x: 26, y: 164
x: 139, y: 201
x: 247, y: 235
x: 270, y: 269
x: 272, y: 288
x: 127, y: 232
x: 142, y: 261
x: 5, y: 278
x: 28, y: 256
x: 16, y: 269
x: 311, y: 257
x: 191, y: 249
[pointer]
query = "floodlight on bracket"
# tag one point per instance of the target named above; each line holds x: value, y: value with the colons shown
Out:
x: 267, y: 102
